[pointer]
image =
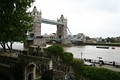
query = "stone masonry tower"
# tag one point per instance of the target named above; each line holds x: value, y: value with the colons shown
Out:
x: 36, y: 29
x: 62, y: 31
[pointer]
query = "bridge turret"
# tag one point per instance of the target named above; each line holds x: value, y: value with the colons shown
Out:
x: 40, y: 12
x: 34, y: 11
x: 62, y: 18
x: 36, y: 29
x: 37, y: 21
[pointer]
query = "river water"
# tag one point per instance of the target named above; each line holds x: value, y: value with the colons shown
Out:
x: 89, y: 52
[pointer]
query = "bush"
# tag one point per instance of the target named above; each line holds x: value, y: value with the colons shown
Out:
x: 93, y: 73
x: 67, y: 57
x: 78, y: 68
x: 55, y: 50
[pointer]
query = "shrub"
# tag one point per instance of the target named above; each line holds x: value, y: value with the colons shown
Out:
x: 55, y: 50
x: 67, y: 57
x: 93, y: 73
x: 78, y: 67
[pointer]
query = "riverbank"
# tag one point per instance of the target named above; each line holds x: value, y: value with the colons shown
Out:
x: 108, y: 67
x: 105, y: 64
x: 104, y: 44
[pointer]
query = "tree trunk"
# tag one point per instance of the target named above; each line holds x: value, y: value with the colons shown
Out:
x: 11, y: 43
x: 3, y: 46
x: 9, y: 46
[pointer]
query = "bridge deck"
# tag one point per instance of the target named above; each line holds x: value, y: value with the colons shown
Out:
x: 53, y: 22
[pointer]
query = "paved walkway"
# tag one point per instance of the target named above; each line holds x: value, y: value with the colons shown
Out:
x: 108, y: 67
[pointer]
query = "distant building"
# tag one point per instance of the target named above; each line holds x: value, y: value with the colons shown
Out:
x: 50, y: 37
x: 93, y: 40
x: 78, y: 37
x: 99, y: 40
x: 82, y: 37
x: 117, y: 39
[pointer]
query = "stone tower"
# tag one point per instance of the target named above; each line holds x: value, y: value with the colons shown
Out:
x: 62, y: 31
x: 36, y: 29
x: 36, y: 15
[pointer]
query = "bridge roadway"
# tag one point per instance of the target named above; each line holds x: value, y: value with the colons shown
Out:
x: 53, y: 22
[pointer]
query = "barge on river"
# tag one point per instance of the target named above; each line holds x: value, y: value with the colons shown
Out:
x: 103, y: 47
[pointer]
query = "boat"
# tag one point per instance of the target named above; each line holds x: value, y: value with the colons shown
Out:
x: 113, y: 47
x: 103, y: 47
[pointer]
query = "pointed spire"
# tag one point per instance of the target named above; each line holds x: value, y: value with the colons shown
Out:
x: 34, y: 10
x: 40, y: 11
x: 66, y: 18
x: 62, y: 17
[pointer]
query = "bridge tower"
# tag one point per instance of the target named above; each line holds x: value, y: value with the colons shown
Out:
x: 62, y: 31
x: 36, y: 15
x: 36, y: 29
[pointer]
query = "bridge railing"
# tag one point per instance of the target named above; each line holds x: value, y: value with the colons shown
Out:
x: 117, y: 64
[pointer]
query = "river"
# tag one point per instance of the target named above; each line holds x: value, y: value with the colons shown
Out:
x: 89, y: 52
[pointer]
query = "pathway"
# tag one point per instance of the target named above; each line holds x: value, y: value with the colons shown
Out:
x: 108, y: 67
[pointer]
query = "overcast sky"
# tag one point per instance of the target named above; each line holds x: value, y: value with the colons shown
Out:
x: 94, y: 18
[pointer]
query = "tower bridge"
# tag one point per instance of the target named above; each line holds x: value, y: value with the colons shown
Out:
x: 34, y: 36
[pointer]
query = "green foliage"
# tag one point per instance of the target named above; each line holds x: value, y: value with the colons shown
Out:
x: 14, y: 20
x: 67, y: 57
x: 78, y: 67
x: 112, y: 40
x: 55, y: 50
x: 93, y: 73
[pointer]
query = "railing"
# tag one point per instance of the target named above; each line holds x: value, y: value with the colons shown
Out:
x: 117, y: 64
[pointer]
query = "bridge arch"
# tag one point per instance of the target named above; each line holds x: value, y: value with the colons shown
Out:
x: 32, y: 68
x: 30, y: 71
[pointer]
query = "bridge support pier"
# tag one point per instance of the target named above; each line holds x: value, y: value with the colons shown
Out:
x: 39, y: 42
x: 66, y: 42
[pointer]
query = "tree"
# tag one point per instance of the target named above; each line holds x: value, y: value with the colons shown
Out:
x: 14, y: 21
x: 78, y: 68
x: 94, y: 73
x: 112, y: 40
x: 55, y: 50
x: 108, y: 39
x: 67, y: 57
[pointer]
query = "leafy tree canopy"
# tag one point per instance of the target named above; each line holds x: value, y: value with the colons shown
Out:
x: 78, y: 68
x: 14, y: 20
x: 55, y: 50
x: 94, y: 73
x: 67, y: 57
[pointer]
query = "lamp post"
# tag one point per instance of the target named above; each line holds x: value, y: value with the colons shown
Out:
x: 81, y: 55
